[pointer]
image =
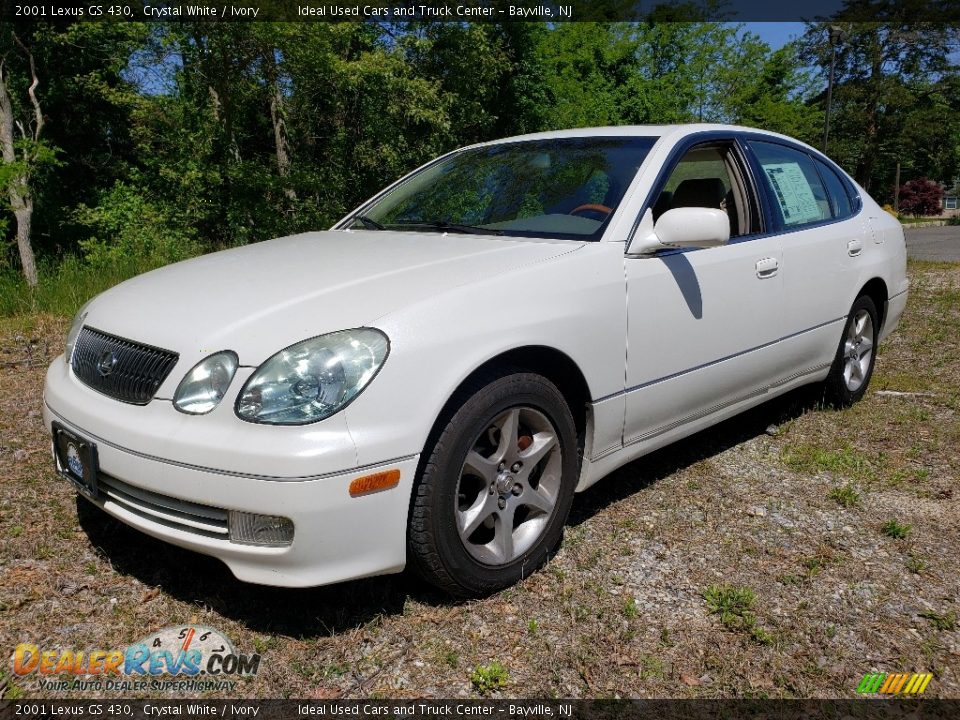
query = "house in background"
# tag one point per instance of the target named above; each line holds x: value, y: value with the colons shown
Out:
x: 949, y: 202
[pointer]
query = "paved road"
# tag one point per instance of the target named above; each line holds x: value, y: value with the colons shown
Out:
x: 934, y: 243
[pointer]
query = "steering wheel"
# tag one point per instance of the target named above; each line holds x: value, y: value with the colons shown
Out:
x: 594, y: 207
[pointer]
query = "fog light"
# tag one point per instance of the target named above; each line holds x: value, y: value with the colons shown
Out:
x: 253, y: 529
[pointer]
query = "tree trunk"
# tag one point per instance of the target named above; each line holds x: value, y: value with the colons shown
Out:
x: 277, y: 112
x: 27, y: 260
x: 18, y: 186
x: 871, y: 114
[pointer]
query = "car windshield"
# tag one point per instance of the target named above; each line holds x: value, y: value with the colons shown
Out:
x: 562, y: 188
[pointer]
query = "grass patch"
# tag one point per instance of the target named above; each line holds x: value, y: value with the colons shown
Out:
x: 917, y: 565
x: 652, y: 668
x: 813, y: 458
x: 896, y: 530
x: 946, y: 622
x: 730, y: 603
x: 845, y: 495
x: 814, y: 564
x: 487, y: 678
x: 735, y: 605
x: 63, y: 289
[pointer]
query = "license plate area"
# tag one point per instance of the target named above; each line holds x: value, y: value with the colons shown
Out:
x: 76, y: 459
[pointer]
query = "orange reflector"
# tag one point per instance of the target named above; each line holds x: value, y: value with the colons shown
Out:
x: 375, y: 483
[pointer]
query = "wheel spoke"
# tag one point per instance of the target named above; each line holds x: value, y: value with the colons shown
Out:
x: 509, y: 425
x: 857, y: 370
x: 543, y: 443
x: 866, y: 345
x: 470, y: 519
x: 503, y: 540
x: 485, y: 468
x: 538, y: 499
x: 861, y: 323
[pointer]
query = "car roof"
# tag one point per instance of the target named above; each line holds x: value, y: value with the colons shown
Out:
x: 674, y: 131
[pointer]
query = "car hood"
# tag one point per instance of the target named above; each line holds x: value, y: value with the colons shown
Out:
x: 260, y: 298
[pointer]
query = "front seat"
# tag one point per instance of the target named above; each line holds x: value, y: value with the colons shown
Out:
x: 706, y: 192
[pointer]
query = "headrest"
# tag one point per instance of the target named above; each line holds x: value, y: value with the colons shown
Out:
x: 704, y: 192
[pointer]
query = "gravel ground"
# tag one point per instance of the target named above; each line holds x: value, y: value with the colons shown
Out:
x: 756, y: 559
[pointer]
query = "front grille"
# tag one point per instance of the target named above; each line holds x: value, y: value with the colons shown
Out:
x: 168, y: 511
x: 132, y: 375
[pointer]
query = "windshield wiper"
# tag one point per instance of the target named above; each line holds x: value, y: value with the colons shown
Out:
x: 369, y: 223
x: 444, y: 225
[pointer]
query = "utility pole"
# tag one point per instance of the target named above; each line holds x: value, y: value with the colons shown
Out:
x: 837, y: 36
x: 896, y: 190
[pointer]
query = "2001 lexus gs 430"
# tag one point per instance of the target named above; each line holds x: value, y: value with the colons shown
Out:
x: 434, y: 378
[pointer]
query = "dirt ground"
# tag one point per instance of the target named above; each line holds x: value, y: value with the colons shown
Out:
x: 785, y: 553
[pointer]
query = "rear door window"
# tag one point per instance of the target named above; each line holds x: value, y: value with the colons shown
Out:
x: 836, y: 190
x: 794, y: 185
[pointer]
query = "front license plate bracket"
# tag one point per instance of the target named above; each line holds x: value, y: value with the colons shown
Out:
x: 77, y: 460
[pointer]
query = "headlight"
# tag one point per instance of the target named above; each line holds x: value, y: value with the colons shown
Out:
x: 75, y: 329
x: 202, y: 389
x: 313, y: 379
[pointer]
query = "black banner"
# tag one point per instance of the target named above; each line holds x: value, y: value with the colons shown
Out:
x: 523, y: 709
x: 391, y: 11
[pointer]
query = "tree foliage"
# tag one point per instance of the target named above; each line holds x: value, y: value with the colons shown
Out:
x: 895, y: 97
x: 168, y: 139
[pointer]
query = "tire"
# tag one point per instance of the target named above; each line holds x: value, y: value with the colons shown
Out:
x: 853, y: 364
x: 475, y: 483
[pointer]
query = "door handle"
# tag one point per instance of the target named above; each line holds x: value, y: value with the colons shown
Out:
x: 767, y: 268
x: 854, y: 247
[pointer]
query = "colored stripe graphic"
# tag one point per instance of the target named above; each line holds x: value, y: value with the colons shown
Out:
x: 894, y: 683
x: 871, y: 682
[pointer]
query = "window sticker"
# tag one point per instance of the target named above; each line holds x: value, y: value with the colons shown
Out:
x: 793, y: 193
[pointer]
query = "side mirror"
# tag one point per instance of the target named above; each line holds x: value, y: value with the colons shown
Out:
x: 685, y: 227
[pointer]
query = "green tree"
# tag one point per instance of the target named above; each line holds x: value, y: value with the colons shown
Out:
x: 21, y: 155
x: 64, y: 88
x: 885, y: 73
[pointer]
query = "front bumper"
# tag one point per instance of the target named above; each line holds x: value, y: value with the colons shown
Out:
x: 149, y: 486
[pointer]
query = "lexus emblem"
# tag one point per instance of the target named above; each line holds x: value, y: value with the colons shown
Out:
x: 106, y: 363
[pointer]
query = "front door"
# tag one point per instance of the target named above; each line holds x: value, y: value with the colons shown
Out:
x: 703, y: 325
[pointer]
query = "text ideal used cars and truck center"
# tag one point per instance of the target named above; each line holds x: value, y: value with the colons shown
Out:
x: 432, y: 380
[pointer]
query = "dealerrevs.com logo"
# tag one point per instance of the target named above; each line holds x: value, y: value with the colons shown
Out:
x: 200, y: 657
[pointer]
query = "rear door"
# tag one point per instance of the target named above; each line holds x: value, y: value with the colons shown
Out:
x: 822, y: 241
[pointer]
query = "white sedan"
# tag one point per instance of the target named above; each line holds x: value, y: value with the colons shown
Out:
x: 430, y: 381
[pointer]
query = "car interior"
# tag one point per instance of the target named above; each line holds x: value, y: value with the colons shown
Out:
x: 709, y: 176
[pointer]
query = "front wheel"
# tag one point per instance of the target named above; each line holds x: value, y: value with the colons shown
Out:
x: 496, y: 489
x: 853, y: 364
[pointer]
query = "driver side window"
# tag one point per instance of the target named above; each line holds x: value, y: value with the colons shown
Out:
x: 708, y: 176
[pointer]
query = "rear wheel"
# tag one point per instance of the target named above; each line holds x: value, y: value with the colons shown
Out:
x: 496, y: 490
x: 856, y: 355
